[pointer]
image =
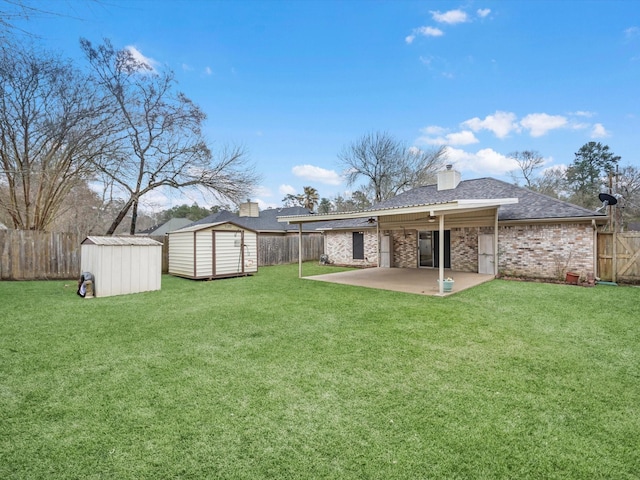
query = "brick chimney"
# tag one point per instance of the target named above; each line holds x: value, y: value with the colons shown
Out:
x: 448, y: 179
x: 249, y: 209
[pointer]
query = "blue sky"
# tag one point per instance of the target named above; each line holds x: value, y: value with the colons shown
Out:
x: 296, y: 81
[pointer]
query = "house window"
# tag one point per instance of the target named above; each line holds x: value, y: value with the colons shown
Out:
x: 358, y: 245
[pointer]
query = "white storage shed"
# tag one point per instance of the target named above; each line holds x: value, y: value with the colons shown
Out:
x: 213, y: 250
x: 122, y: 265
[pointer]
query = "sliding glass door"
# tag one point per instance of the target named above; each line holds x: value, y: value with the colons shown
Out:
x: 428, y: 245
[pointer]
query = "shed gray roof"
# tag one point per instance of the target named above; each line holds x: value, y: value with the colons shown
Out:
x: 110, y: 241
x: 531, y: 205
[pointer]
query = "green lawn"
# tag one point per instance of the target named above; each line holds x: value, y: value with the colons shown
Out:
x: 275, y: 377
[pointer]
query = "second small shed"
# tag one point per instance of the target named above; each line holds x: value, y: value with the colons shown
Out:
x: 213, y: 250
x: 122, y: 265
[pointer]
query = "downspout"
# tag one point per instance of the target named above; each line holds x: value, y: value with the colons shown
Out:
x: 595, y: 247
x: 495, y: 246
x: 441, y: 256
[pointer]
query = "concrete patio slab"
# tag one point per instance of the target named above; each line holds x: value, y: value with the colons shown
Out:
x: 421, y: 281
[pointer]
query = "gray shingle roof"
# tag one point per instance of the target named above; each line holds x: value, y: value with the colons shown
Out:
x: 266, y: 221
x: 172, y: 224
x: 531, y: 205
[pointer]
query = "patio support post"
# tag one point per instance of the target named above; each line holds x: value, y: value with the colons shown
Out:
x: 378, y: 239
x: 441, y: 256
x: 300, y: 250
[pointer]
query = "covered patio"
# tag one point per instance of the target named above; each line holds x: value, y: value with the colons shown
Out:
x: 430, y: 216
x: 420, y: 281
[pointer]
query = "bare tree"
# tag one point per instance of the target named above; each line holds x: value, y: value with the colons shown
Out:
x: 628, y: 188
x: 388, y: 166
x: 528, y: 162
x: 552, y: 182
x: 163, y: 145
x: 52, y: 130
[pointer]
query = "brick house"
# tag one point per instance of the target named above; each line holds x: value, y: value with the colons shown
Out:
x: 537, y: 236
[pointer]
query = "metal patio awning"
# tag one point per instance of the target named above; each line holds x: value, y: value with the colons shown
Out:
x: 437, y: 210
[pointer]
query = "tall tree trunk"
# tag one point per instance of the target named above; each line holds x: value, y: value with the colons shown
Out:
x: 120, y: 217
x: 134, y: 218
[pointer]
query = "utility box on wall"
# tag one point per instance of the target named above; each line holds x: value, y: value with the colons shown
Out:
x: 213, y: 250
x: 122, y: 265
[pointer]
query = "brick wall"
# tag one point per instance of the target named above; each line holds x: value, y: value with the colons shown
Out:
x: 534, y: 251
x: 339, y: 247
x: 405, y: 248
x: 546, y: 251
x: 464, y: 249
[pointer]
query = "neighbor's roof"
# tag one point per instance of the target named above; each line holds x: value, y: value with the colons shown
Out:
x: 266, y: 222
x: 136, y: 241
x: 172, y: 224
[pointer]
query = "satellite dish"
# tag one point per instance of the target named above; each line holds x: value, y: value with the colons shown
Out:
x: 607, y: 199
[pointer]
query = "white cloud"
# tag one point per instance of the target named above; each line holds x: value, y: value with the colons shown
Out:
x: 485, y: 161
x: 598, y: 131
x: 451, y: 17
x: 424, y: 32
x: 434, y: 130
x: 540, y: 124
x: 186, y: 67
x: 501, y: 124
x: 317, y: 174
x: 583, y: 113
x: 262, y: 191
x: 208, y: 71
x: 285, y: 189
x: 483, y: 12
x: 148, y: 62
x: 631, y: 32
x: 264, y: 205
x: 464, y: 137
x: 429, y: 32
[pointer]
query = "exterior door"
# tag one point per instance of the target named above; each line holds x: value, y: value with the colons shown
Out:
x: 385, y: 251
x: 428, y: 249
x: 425, y: 249
x: 486, y: 260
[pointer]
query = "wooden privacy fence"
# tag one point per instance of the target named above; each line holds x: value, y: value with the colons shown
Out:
x: 281, y: 250
x: 619, y: 257
x: 30, y: 255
